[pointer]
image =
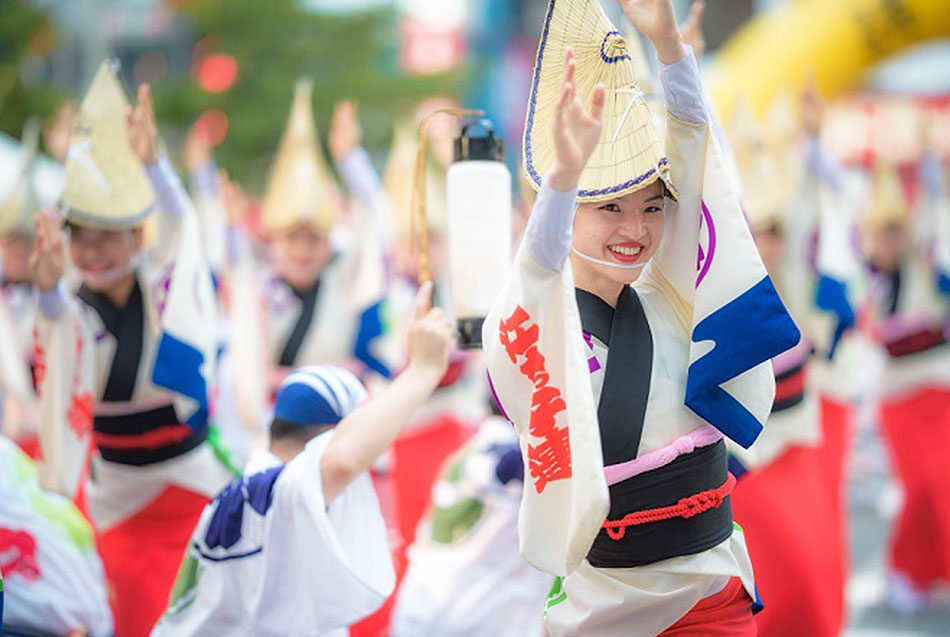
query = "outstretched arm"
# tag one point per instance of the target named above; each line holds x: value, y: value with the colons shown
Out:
x: 365, y: 434
x: 143, y: 136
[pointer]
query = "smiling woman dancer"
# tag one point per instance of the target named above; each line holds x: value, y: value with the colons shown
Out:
x: 637, y: 265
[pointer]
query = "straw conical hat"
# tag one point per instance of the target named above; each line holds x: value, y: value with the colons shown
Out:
x: 22, y: 203
x: 765, y: 195
x: 629, y: 155
x: 300, y: 189
x: 105, y: 182
x: 781, y: 123
x: 398, y: 182
x: 888, y: 203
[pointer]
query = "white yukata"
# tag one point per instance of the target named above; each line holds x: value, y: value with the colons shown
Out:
x: 566, y: 502
x: 465, y: 576
x: 68, y: 330
x: 274, y: 328
x: 52, y: 577
x: 271, y: 557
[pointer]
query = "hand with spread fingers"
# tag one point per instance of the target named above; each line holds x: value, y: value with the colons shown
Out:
x: 143, y: 131
x: 657, y: 20
x: 46, y: 260
x: 576, y: 131
x: 345, y: 131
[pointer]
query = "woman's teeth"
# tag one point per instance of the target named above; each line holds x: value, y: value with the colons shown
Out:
x: 625, y: 251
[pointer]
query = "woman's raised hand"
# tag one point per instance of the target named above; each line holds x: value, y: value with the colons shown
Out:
x: 657, y: 20
x: 576, y: 131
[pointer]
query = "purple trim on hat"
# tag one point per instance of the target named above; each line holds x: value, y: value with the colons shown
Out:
x: 605, y: 57
x: 532, y: 104
x: 705, y: 260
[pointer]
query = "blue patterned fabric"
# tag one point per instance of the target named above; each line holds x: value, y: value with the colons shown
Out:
x: 749, y: 330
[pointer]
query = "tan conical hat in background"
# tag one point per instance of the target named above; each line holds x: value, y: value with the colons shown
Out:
x: 105, y: 182
x: 21, y: 204
x: 300, y: 188
x: 888, y: 204
x: 629, y: 155
x: 398, y: 182
x: 765, y: 196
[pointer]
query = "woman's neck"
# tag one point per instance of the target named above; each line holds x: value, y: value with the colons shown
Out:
x: 589, y: 280
x: 120, y: 290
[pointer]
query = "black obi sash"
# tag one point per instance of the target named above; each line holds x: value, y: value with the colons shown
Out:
x: 620, y: 415
x: 134, y: 437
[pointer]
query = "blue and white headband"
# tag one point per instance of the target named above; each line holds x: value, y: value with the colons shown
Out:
x: 318, y: 395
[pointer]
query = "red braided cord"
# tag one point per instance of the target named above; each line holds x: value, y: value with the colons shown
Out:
x: 685, y: 508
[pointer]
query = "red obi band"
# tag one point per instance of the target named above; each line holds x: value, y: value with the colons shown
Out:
x: 790, y: 387
x: 915, y: 343
x: 685, y: 508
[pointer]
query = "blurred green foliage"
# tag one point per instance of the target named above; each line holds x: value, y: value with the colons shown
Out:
x: 348, y: 55
x: 26, y: 34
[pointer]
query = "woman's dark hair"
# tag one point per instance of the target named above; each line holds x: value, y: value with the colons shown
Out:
x: 282, y: 429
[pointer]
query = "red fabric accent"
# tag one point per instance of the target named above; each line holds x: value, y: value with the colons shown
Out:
x: 788, y: 514
x: 790, y: 387
x: 151, y: 439
x: 418, y: 456
x: 30, y: 445
x: 728, y: 613
x: 916, y: 342
x: 142, y: 555
x: 917, y: 429
x: 685, y: 508
x: 833, y: 453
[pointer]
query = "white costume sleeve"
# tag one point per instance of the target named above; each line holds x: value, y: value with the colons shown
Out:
x: 269, y: 557
x: 329, y: 566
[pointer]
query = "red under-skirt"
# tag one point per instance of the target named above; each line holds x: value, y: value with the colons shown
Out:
x: 917, y: 430
x: 728, y: 613
x: 793, y: 531
x: 141, y: 557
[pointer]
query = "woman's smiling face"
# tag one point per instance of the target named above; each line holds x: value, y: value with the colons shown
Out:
x: 625, y: 231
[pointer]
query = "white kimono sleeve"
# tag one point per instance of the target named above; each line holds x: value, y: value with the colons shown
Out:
x: 64, y: 353
x: 325, y: 567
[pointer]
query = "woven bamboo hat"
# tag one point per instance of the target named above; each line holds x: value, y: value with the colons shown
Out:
x: 765, y: 195
x: 21, y: 203
x: 888, y: 203
x: 629, y: 155
x: 105, y: 182
x: 398, y: 182
x: 300, y: 188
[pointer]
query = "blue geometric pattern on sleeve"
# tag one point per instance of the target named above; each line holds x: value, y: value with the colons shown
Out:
x: 178, y: 369
x: 227, y: 522
x: 943, y: 282
x: 832, y: 295
x: 372, y: 326
x: 749, y: 330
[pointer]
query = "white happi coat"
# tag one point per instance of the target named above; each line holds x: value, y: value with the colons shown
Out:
x: 75, y: 352
x: 52, y: 577
x: 270, y: 557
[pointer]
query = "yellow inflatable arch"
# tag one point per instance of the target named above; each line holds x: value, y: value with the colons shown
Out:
x: 836, y: 39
